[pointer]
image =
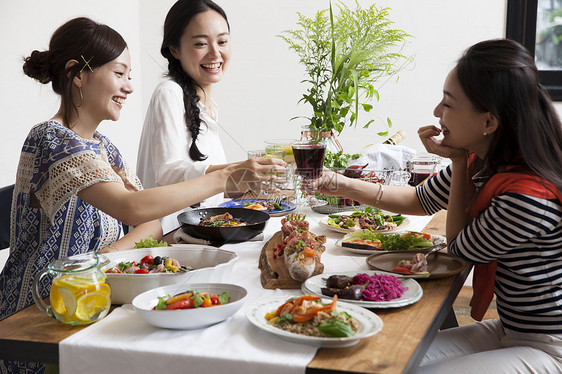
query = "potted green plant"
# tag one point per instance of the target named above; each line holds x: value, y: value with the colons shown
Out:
x: 344, y: 55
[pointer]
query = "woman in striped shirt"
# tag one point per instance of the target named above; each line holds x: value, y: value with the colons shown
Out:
x: 502, y: 192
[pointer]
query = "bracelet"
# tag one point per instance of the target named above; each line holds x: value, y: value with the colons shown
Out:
x: 381, y: 192
x: 113, y: 246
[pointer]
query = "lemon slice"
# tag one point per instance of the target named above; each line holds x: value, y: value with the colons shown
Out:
x: 90, y: 305
x: 63, y: 301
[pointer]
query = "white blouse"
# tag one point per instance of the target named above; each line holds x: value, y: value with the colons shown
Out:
x: 163, y: 156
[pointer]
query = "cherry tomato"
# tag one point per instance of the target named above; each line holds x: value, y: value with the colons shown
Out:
x: 214, y: 299
x: 141, y: 271
x: 147, y: 260
x: 207, y: 302
x: 400, y: 269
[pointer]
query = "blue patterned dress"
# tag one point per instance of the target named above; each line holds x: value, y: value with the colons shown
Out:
x: 49, y: 221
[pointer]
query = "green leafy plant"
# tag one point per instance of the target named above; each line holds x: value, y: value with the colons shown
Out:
x: 344, y: 55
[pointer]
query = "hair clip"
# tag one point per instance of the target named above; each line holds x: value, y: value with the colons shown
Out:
x: 86, y: 63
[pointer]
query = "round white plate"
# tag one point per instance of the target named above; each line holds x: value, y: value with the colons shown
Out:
x: 324, y: 222
x: 437, y: 239
x: 414, y: 292
x: 369, y: 323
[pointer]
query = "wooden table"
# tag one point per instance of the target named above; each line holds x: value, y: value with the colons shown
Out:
x: 408, y: 331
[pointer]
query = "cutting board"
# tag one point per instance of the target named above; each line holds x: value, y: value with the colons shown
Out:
x: 274, y: 273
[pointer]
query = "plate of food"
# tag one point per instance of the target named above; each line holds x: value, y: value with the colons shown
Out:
x: 369, y: 289
x: 272, y: 207
x: 367, y: 218
x: 223, y: 225
x: 366, y: 242
x: 439, y: 265
x: 344, y: 327
x: 189, y: 306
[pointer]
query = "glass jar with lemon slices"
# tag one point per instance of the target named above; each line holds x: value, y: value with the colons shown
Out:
x: 79, y: 294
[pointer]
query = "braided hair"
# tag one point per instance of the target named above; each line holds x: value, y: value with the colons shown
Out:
x: 179, y: 16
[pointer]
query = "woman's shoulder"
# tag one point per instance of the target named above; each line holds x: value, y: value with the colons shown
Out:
x: 168, y: 86
x: 51, y: 131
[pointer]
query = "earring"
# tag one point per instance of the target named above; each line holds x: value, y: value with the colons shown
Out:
x: 485, y: 133
x: 81, y: 97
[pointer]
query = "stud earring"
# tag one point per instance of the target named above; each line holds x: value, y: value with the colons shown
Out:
x: 485, y: 133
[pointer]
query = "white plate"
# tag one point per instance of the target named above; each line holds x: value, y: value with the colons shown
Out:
x: 324, y: 222
x: 369, y: 323
x: 437, y: 239
x: 188, y: 318
x: 414, y: 292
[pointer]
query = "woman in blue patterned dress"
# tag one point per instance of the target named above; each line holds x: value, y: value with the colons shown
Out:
x: 73, y: 188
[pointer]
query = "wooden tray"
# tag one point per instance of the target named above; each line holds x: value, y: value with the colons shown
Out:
x: 274, y: 273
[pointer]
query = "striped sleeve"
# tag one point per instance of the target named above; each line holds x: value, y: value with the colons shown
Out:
x: 434, y: 194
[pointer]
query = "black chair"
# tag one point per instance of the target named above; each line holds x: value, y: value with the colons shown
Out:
x: 5, y: 210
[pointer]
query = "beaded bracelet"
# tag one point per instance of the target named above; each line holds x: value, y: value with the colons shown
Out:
x: 381, y: 192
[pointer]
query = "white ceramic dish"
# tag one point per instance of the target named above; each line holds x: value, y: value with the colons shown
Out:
x: 324, y: 223
x: 369, y: 323
x: 212, y: 265
x: 412, y: 295
x: 188, y: 318
x: 436, y: 239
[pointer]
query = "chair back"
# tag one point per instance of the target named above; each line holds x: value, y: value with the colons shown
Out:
x: 5, y: 211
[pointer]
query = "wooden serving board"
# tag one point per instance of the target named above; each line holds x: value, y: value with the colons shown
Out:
x: 274, y: 273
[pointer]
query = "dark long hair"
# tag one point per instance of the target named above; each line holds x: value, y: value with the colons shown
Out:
x: 79, y: 39
x: 500, y: 76
x: 176, y: 21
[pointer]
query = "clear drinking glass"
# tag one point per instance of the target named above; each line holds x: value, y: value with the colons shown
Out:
x: 309, y: 159
x: 273, y: 147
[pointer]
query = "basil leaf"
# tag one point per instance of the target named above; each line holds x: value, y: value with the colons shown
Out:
x: 162, y: 302
x: 198, y: 301
x: 224, y: 298
x: 336, y: 328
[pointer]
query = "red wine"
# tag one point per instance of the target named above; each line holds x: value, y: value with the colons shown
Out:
x: 309, y: 159
x: 417, y: 178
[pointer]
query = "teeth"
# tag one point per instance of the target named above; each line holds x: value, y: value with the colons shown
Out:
x: 119, y: 100
x: 212, y: 66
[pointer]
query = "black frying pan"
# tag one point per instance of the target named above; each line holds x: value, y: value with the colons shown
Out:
x: 256, y: 223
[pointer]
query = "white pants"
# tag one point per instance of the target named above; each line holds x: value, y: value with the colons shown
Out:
x: 486, y: 347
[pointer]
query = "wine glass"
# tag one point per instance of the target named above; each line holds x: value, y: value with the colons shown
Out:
x: 309, y: 159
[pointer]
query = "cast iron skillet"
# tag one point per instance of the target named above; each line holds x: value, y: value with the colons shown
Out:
x: 256, y: 220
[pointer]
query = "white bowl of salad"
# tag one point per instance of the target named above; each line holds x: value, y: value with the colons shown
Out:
x: 134, y: 271
x: 189, y: 306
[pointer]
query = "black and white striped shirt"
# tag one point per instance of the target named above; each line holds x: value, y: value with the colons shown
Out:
x: 522, y: 232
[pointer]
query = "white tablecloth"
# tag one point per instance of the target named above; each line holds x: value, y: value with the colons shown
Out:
x: 122, y: 342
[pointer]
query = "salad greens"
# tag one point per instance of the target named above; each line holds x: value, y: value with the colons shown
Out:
x: 390, y: 242
x: 150, y: 243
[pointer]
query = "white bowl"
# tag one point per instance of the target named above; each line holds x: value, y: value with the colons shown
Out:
x: 188, y: 318
x: 212, y: 265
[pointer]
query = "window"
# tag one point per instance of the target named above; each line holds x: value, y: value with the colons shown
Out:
x: 537, y: 24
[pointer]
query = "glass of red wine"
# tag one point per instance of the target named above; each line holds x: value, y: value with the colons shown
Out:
x: 309, y: 159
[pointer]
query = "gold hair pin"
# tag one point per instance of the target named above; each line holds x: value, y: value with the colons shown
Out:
x: 86, y: 63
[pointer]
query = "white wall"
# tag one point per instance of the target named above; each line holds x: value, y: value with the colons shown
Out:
x: 260, y: 91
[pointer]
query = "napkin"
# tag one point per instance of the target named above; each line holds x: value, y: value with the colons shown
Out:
x: 385, y: 156
x: 181, y: 237
x: 123, y: 341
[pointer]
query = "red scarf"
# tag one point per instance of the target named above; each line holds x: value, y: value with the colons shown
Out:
x: 517, y: 180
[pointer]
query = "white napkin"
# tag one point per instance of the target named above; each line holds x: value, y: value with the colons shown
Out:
x: 123, y: 342
x: 181, y: 237
x: 385, y: 156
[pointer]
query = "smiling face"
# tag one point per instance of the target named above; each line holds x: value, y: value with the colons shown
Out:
x: 204, y: 50
x: 105, y: 89
x: 463, y: 126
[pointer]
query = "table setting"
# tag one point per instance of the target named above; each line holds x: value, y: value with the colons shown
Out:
x: 246, y: 262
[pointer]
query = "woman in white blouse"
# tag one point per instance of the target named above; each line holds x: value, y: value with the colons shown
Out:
x: 180, y: 138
